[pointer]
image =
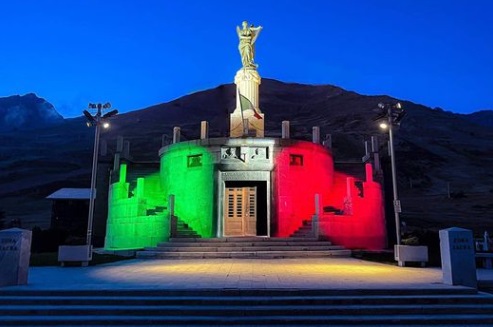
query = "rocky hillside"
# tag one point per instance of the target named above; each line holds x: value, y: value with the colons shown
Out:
x: 27, y: 112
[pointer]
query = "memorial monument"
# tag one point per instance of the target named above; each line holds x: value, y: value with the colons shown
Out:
x: 245, y: 184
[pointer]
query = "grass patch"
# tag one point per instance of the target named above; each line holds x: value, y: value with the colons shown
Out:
x: 51, y: 259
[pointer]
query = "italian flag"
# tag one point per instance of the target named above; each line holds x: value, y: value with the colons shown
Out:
x: 246, y: 104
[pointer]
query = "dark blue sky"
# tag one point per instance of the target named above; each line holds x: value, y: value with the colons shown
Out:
x: 139, y: 53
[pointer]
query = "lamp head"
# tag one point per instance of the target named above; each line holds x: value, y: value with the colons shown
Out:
x: 109, y: 114
x: 90, y: 118
x: 384, y: 125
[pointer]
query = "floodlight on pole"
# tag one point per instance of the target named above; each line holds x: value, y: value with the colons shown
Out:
x: 96, y: 120
x: 393, y: 115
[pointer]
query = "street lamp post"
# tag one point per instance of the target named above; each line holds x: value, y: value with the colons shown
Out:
x: 393, y: 114
x: 97, y: 121
x: 397, y: 203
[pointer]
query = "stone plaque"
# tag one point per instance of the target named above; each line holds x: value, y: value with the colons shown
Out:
x: 245, y: 176
x: 258, y: 153
x: 230, y: 153
x: 458, y: 263
x: 15, y: 251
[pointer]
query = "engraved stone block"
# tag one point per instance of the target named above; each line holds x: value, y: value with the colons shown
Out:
x: 15, y: 251
x: 458, y: 262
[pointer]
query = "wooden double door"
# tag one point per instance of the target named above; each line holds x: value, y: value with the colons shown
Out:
x: 240, y: 211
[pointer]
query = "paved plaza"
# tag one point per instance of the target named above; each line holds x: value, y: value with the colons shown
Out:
x: 323, y: 273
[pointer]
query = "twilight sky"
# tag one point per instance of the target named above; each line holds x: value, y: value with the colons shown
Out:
x: 137, y: 53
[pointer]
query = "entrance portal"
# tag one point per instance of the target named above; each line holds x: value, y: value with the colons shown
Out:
x: 240, y: 211
x: 244, y: 209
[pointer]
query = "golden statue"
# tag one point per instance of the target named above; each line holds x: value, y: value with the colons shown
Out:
x: 247, y: 35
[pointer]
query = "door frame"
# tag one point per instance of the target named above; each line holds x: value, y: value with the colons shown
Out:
x: 239, y: 176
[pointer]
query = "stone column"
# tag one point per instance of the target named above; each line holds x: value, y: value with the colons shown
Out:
x: 247, y: 82
x: 119, y: 144
x: 204, y: 130
x: 369, y: 172
x: 126, y: 149
x: 140, y: 191
x: 116, y: 162
x: 285, y: 129
x: 316, y: 134
x: 376, y: 154
x: 176, y: 134
x: 172, y: 218
x: 316, y: 217
x: 348, y: 199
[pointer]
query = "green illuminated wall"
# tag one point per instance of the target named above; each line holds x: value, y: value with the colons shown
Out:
x: 187, y: 171
x: 137, y: 214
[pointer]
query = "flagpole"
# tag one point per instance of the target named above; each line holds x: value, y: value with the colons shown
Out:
x: 241, y: 109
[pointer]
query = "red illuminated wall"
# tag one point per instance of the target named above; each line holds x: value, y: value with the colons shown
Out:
x: 362, y: 227
x: 296, y: 184
x: 304, y: 169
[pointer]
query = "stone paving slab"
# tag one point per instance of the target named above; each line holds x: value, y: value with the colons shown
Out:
x: 319, y: 273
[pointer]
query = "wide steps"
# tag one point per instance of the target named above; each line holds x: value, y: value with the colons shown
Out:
x: 247, y: 239
x: 238, y: 248
x: 243, y: 247
x: 452, y: 307
x: 242, y: 254
x: 239, y: 320
x: 232, y: 310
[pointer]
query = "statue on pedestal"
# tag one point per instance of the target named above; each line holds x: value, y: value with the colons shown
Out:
x: 247, y: 35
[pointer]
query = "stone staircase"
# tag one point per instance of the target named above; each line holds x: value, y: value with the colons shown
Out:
x: 243, y: 247
x: 251, y: 307
x: 183, y: 230
x: 306, y: 230
x: 155, y: 210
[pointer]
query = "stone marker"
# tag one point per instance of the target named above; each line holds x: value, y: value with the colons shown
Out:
x: 15, y: 251
x: 458, y: 262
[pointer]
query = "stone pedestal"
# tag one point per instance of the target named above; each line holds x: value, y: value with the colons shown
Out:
x: 458, y: 262
x: 247, y: 82
x: 15, y: 251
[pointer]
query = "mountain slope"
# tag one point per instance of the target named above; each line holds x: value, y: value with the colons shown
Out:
x: 436, y: 151
x: 482, y: 117
x: 27, y: 111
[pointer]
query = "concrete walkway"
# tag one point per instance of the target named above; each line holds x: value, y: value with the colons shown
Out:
x: 324, y: 273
